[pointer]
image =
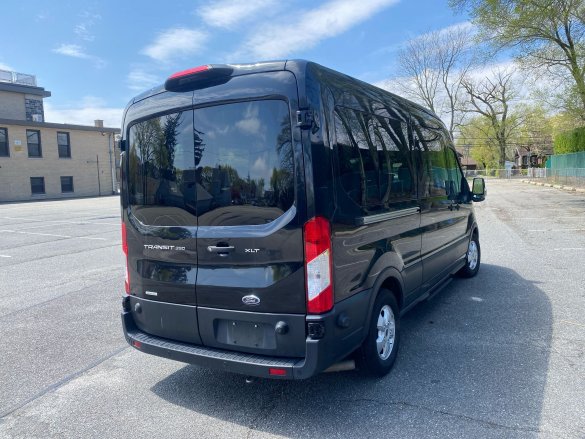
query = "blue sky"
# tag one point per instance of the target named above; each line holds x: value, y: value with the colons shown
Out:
x: 95, y: 56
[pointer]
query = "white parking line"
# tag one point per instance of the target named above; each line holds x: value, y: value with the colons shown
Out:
x: 543, y: 218
x: 57, y: 222
x: 52, y: 234
x: 556, y: 230
x: 40, y: 226
x: 5, y: 256
x: 568, y: 248
x: 572, y: 323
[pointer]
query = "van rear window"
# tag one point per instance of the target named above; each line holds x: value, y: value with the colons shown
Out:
x: 225, y: 165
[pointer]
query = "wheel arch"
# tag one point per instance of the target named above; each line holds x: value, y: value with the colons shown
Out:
x: 475, y: 231
x: 389, y: 279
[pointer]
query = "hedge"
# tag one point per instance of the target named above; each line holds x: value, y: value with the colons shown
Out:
x: 570, y: 141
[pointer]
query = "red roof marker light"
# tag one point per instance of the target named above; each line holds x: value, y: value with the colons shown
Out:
x: 189, y: 72
x: 198, y: 77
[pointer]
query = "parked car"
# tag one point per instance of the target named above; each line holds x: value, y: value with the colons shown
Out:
x: 280, y: 217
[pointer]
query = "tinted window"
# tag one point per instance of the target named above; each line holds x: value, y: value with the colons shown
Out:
x: 246, y: 167
x: 454, y: 175
x: 4, y: 151
x: 442, y: 174
x: 229, y: 165
x: 161, y: 161
x: 374, y: 161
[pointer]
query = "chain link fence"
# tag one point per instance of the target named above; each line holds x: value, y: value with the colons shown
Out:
x: 566, y: 177
x: 497, y: 173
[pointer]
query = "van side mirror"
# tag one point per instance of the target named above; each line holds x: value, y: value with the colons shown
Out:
x: 478, y: 191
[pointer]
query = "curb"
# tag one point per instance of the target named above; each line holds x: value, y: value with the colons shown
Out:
x: 555, y: 186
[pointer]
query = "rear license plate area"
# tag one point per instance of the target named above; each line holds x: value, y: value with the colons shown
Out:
x: 245, y: 334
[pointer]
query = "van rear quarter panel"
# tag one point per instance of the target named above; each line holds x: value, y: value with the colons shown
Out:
x: 360, y: 253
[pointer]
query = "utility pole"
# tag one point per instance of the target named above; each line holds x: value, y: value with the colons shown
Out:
x: 97, y: 161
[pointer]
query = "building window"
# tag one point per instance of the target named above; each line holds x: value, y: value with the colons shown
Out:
x: 64, y: 145
x: 4, y: 150
x: 66, y: 184
x: 37, y: 185
x: 33, y: 142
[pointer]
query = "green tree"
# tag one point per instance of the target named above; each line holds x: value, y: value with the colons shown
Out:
x: 478, y: 135
x: 535, y: 134
x: 491, y: 98
x: 547, y: 35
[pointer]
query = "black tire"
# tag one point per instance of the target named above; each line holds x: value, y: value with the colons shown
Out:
x: 368, y: 358
x: 471, y: 262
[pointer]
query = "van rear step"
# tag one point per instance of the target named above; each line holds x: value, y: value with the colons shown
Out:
x: 247, y: 364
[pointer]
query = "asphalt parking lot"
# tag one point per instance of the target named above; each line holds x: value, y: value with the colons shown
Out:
x: 499, y: 355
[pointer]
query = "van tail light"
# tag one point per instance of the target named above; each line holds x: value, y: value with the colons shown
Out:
x: 125, y: 250
x: 319, y: 285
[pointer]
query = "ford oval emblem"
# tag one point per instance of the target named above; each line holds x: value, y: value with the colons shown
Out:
x: 251, y: 300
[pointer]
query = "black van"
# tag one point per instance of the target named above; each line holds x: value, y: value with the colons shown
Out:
x: 279, y: 217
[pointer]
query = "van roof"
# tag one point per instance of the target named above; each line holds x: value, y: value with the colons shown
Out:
x: 302, y: 69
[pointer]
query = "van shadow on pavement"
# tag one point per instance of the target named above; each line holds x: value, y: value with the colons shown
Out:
x: 473, y: 361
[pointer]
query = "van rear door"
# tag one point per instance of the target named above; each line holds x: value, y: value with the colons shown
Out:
x: 160, y: 222
x: 250, y: 244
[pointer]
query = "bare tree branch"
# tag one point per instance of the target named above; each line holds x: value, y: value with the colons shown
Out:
x: 434, y: 65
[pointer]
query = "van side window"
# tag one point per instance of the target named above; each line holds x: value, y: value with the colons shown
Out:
x: 397, y: 180
x: 374, y: 162
x: 454, y: 173
x: 442, y: 174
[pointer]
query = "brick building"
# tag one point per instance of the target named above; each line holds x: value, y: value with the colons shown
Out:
x: 41, y: 160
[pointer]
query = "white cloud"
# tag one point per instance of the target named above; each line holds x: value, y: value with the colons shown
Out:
x: 82, y: 31
x: 226, y: 13
x: 176, y: 42
x: 250, y: 126
x: 260, y: 166
x: 463, y: 26
x: 250, y: 123
x: 326, y: 21
x: 139, y: 80
x: 491, y: 69
x: 77, y: 51
x: 73, y: 50
x: 384, y: 51
x: 5, y: 67
x: 89, y: 109
x: 392, y: 85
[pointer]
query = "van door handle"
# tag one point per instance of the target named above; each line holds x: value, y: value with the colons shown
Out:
x: 222, y: 251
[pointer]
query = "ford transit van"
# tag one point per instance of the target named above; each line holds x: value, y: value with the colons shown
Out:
x: 280, y: 217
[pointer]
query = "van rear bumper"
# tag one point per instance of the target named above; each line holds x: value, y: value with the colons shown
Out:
x: 319, y: 354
